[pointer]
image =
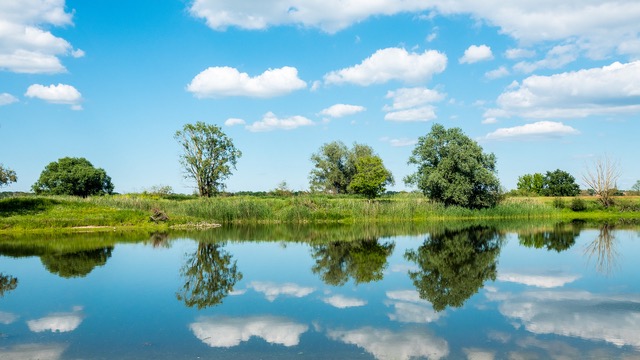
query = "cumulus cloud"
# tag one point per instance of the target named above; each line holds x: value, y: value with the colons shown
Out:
x: 542, y: 281
x: 391, y: 64
x: 406, y: 98
x: 614, y: 319
x: 385, y: 344
x: 56, y: 94
x: 272, y: 291
x: 611, y: 89
x: 221, y: 81
x: 234, y: 122
x: 271, y: 122
x: 479, y: 354
x: 401, y: 142
x: 33, y: 351
x: 228, y: 332
x: 497, y: 73
x: 26, y: 44
x: 556, y: 58
x: 7, y: 318
x: 341, y: 110
x: 518, y: 53
x: 476, y: 53
x: 6, y: 99
x: 342, y: 302
x: 409, y: 308
x: 424, y: 113
x: 57, y: 322
x: 540, y: 129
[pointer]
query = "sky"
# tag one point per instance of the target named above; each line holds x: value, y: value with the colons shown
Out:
x: 543, y: 85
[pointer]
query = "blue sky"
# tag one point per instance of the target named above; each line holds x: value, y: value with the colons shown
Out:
x: 542, y: 84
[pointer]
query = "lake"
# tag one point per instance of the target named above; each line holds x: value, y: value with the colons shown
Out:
x: 445, y: 291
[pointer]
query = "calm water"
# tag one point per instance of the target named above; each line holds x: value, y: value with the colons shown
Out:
x: 467, y: 292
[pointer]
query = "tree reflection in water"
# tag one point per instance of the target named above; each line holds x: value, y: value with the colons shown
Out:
x: 454, y: 264
x: 561, y: 238
x: 603, y: 249
x: 76, y: 264
x: 7, y: 283
x: 209, y: 275
x: 361, y: 260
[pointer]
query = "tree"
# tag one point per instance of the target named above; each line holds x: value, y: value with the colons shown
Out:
x: 7, y: 283
x: 602, y: 178
x: 636, y: 187
x: 7, y: 176
x: 361, y: 260
x: 210, y: 274
x: 334, y: 166
x: 73, y: 176
x: 208, y: 156
x: 452, y: 169
x: 77, y: 264
x: 560, y: 183
x: 561, y: 238
x: 454, y: 264
x: 371, y: 177
x: 531, y: 184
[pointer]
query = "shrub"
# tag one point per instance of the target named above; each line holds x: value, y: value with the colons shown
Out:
x: 578, y: 204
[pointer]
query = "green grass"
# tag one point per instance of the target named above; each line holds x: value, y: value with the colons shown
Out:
x: 38, y: 213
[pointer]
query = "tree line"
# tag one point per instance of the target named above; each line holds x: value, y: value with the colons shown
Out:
x: 451, y: 168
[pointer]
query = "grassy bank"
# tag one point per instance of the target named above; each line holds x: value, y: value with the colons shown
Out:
x: 31, y: 213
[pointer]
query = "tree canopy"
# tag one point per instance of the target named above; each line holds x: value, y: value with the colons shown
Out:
x: 454, y: 264
x: 452, y: 169
x: 531, y: 184
x: 559, y: 239
x: 73, y: 176
x: 208, y: 156
x: 7, y: 176
x: 371, y: 177
x: 560, y: 183
x: 7, y: 283
x: 77, y: 264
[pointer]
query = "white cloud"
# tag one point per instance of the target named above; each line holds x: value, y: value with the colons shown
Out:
x: 272, y: 291
x: 497, y: 73
x: 32, y: 351
x: 271, y: 122
x: 343, y: 302
x: 612, y: 89
x: 58, y: 322
x: 513, y: 54
x: 391, y: 64
x: 556, y: 58
x: 475, y: 54
x: 223, y: 81
x: 25, y: 45
x: 542, y: 281
x: 489, y: 120
x: 614, y: 319
x: 479, y: 354
x: 340, y: 110
x: 401, y: 142
x: 56, y: 94
x: 229, y: 332
x: 424, y: 113
x: 406, y: 98
x: 234, y: 122
x: 384, y: 344
x: 6, y: 99
x: 409, y: 308
x: 541, y: 129
x: 7, y: 318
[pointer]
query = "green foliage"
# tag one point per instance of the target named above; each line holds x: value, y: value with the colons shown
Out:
x: 76, y: 264
x: 209, y: 275
x: 531, y: 184
x: 371, y: 177
x: 453, y: 170
x: 7, y: 283
x: 454, y: 264
x: 558, y: 203
x: 7, y: 176
x: 560, y: 183
x: 559, y: 239
x: 361, y: 260
x: 578, y: 204
x: 208, y: 156
x: 73, y: 176
x: 336, y: 167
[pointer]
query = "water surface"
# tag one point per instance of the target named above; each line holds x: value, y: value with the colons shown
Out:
x: 469, y: 291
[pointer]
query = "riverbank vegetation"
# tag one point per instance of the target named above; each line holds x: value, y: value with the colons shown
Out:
x: 138, y: 211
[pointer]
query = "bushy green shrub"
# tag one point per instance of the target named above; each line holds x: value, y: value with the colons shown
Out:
x: 578, y: 204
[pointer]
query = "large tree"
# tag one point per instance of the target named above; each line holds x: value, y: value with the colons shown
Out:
x: 73, y: 176
x: 209, y: 155
x: 336, y: 167
x: 76, y: 264
x: 453, y: 169
x: 560, y: 183
x: 602, y: 178
x: 531, y: 184
x: 7, y: 176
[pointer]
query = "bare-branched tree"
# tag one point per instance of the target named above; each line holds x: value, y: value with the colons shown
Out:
x: 602, y: 177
